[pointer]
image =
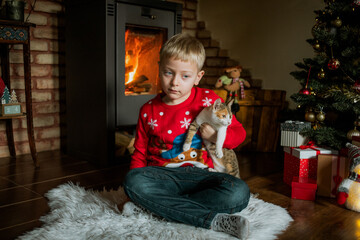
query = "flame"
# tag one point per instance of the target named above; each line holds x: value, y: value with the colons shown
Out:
x: 142, y: 54
x: 132, y: 60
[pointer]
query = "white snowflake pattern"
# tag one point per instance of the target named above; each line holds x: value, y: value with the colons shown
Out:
x: 185, y: 123
x: 153, y: 124
x: 207, y: 102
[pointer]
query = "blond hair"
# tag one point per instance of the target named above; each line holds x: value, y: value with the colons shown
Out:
x: 185, y: 48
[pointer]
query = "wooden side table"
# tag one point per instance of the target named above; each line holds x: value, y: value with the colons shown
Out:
x: 14, y: 32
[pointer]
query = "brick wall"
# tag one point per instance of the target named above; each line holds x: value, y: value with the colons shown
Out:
x: 48, y: 74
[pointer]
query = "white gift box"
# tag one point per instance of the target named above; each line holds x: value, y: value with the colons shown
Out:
x: 290, y: 133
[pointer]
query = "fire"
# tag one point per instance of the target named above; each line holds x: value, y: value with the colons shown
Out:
x: 141, y: 57
x: 131, y: 56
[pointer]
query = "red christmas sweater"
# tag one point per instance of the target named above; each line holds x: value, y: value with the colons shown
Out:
x: 162, y: 129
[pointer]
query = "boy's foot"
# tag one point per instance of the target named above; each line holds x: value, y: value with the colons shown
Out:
x: 130, y: 208
x: 232, y: 224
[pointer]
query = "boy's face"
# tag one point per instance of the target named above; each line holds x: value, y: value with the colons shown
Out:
x: 177, y: 79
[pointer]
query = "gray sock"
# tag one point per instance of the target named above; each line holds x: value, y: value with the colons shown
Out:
x: 231, y: 224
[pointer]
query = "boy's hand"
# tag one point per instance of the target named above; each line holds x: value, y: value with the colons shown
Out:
x: 208, y: 133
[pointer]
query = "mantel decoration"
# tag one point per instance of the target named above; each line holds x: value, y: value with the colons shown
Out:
x: 9, y: 105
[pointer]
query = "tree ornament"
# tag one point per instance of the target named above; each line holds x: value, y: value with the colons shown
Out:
x: 321, y: 74
x: 356, y: 3
x: 352, y: 133
x: 310, y: 116
x: 317, y: 46
x: 356, y: 85
x: 337, y: 22
x: 333, y: 64
x: 320, y: 116
x: 312, y: 92
x: 298, y: 106
x: 316, y: 126
x: 305, y: 91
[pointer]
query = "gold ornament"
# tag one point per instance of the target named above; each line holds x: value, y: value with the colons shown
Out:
x: 337, y: 22
x: 320, y: 116
x: 321, y: 74
x: 352, y: 133
x: 310, y: 116
x: 317, y: 46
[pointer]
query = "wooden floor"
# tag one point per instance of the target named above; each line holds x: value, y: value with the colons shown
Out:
x: 22, y: 190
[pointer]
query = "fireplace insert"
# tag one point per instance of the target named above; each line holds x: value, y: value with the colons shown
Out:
x: 112, y: 54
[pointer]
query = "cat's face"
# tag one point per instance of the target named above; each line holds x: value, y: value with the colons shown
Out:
x: 222, y: 113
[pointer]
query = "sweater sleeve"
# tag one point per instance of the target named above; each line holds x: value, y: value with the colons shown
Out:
x: 138, y: 159
x: 235, y: 134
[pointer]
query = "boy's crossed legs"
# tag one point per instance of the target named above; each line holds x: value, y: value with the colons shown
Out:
x: 191, y: 195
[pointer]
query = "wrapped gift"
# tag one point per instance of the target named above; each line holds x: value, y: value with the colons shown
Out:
x: 302, y: 161
x: 303, y: 188
x: 290, y: 133
x: 332, y: 169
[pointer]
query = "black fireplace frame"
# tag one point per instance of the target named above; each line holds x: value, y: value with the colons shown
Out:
x: 94, y: 62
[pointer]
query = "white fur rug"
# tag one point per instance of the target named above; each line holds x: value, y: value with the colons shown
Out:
x: 76, y: 213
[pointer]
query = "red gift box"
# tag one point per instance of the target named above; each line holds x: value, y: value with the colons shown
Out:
x: 303, y: 188
x: 302, y: 161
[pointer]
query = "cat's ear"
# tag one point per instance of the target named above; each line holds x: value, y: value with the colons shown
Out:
x: 217, y: 104
x: 230, y: 103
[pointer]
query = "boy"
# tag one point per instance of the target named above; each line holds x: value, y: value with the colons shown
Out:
x: 174, y: 184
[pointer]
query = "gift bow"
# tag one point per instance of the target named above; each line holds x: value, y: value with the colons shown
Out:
x: 310, y: 144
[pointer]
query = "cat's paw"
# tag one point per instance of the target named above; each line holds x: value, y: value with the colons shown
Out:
x: 219, y: 153
x: 186, y: 147
x: 212, y: 170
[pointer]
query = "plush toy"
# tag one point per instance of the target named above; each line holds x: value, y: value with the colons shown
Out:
x: 232, y: 82
x: 349, y: 188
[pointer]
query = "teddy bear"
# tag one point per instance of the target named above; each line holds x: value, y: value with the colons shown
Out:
x: 232, y: 82
x: 349, y: 188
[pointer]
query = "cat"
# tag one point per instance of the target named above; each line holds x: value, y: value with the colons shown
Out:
x: 219, y: 116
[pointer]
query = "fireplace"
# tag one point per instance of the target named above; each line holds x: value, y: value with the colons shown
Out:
x: 112, y: 54
x: 141, y: 77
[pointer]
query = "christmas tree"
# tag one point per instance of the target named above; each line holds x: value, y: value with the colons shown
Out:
x: 6, y: 96
x: 330, y: 94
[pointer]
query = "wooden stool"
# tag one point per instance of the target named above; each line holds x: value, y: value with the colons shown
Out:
x: 14, y: 32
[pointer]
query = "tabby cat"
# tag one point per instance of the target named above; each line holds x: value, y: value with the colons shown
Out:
x: 219, y: 117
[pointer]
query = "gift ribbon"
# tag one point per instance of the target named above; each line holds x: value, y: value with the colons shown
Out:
x: 337, y: 178
x: 311, y: 145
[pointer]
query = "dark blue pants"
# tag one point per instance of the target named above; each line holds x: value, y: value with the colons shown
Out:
x: 186, y: 194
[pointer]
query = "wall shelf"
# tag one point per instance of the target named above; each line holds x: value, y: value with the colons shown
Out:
x: 15, y: 32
